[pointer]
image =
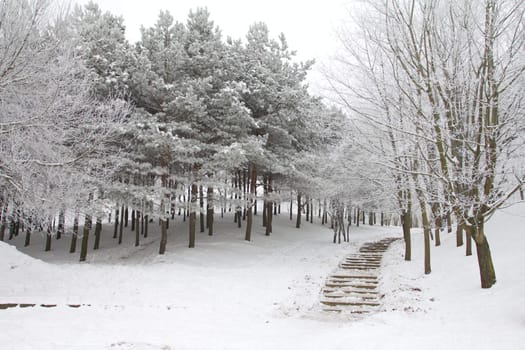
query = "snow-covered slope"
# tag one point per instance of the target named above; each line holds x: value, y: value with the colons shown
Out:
x: 231, y: 294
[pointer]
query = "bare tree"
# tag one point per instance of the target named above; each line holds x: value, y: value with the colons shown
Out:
x: 455, y: 72
x: 52, y: 132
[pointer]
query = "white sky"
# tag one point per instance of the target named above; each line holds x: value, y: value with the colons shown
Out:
x: 309, y: 26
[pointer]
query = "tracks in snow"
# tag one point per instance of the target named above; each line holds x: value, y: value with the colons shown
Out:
x: 352, y: 288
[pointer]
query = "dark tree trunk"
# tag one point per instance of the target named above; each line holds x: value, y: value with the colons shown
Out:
x: 115, y: 231
x: 299, y: 208
x: 249, y: 218
x: 4, y: 222
x: 201, y: 206
x: 468, y: 246
x: 311, y: 211
x: 449, y: 222
x: 291, y: 206
x: 137, y: 230
x: 85, y: 238
x: 126, y: 217
x: 265, y: 201
x: 49, y: 235
x: 61, y: 223
x: 28, y: 235
x: 209, y: 211
x: 122, y: 223
x: 459, y: 234
x: 486, y: 267
x: 133, y: 220
x: 163, y: 236
x: 269, y: 207
x: 193, y: 215
x: 98, y: 229
x: 406, y: 221
x: 146, y: 225
x: 142, y: 223
x: 357, y: 217
x: 244, y: 189
x: 73, y: 246
x: 307, y: 202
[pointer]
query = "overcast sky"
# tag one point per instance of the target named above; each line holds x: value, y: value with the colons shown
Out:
x: 309, y: 26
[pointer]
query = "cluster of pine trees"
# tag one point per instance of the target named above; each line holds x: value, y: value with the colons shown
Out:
x: 182, y: 122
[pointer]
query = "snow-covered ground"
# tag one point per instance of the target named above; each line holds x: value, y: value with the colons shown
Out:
x: 231, y: 294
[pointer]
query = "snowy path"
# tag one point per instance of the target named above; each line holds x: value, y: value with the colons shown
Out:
x: 352, y: 288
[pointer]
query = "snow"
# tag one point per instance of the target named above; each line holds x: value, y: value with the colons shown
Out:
x: 231, y: 294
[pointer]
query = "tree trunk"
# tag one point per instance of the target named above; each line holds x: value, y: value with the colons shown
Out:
x: 121, y: 231
x: 307, y: 202
x: 137, y: 229
x: 291, y: 206
x: 459, y: 235
x: 269, y: 207
x: 73, y: 246
x: 115, y: 231
x: 486, y: 267
x: 146, y: 225
x: 4, y: 222
x: 426, y: 234
x: 61, y: 223
x: 49, y: 235
x: 85, y: 237
x: 298, y: 222
x: 449, y: 222
x: 311, y: 211
x: 249, y: 218
x: 163, y: 236
x: 468, y: 246
x: 407, y: 224
x: 201, y: 206
x: 126, y: 217
x: 28, y: 235
x: 133, y: 220
x: 98, y: 229
x: 193, y: 215
x: 209, y: 211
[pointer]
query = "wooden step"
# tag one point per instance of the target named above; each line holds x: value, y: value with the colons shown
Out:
x: 348, y: 303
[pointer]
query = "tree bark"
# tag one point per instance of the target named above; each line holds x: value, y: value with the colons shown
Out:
x: 406, y: 220
x: 468, y: 246
x: 121, y: 231
x: 459, y: 235
x: 61, y: 223
x: 115, y: 231
x: 249, y: 217
x: 209, y: 211
x: 299, y: 208
x: 163, y: 236
x: 201, y: 206
x: 137, y: 228
x: 85, y: 238
x: 28, y: 235
x: 486, y: 266
x: 98, y: 229
x: 193, y: 215
x: 73, y: 246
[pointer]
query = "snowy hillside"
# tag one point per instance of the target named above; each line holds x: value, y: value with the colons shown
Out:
x: 229, y: 294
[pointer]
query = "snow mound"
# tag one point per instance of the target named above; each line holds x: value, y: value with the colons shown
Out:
x: 11, y: 258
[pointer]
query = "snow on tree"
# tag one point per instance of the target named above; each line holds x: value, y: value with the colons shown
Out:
x: 448, y: 77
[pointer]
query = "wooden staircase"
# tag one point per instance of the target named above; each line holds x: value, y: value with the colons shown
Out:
x: 352, y: 288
